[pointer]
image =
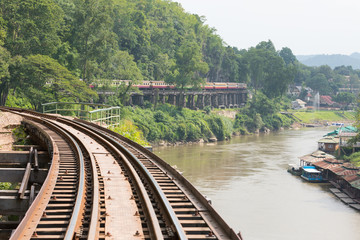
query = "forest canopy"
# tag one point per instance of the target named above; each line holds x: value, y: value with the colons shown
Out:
x: 88, y: 40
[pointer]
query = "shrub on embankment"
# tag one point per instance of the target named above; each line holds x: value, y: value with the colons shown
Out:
x: 173, y: 124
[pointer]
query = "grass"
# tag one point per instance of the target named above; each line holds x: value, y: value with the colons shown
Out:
x: 324, y: 116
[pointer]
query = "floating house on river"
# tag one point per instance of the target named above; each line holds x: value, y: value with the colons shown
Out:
x: 328, y: 144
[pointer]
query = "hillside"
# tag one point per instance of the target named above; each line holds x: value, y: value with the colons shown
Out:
x: 333, y: 60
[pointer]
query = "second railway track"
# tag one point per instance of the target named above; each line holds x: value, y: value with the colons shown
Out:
x: 163, y: 204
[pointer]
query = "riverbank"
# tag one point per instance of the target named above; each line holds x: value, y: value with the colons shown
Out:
x: 324, y: 117
x: 167, y: 125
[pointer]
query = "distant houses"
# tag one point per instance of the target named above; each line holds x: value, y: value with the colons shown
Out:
x: 309, y: 100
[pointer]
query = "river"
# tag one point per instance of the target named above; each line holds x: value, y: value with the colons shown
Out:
x: 249, y: 186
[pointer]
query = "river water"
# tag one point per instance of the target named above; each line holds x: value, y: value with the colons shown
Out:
x: 249, y: 186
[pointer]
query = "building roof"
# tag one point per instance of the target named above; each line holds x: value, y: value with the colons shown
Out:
x: 326, y: 100
x: 328, y: 163
x: 343, y: 170
x: 329, y: 140
x: 301, y: 102
x: 316, y: 157
x: 344, y: 131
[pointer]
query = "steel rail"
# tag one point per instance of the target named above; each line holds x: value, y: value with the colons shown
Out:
x: 81, y: 185
x: 215, y: 215
x: 29, y: 222
x: 77, y: 210
x: 95, y: 209
x: 163, y: 199
x: 156, y: 231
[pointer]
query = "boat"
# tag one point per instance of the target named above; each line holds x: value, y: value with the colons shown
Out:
x: 294, y: 169
x: 311, y: 174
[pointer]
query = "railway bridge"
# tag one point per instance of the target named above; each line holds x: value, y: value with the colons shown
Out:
x: 192, y: 99
x: 213, y: 94
x: 83, y: 181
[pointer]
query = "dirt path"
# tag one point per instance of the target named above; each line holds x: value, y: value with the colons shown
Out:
x: 7, y: 122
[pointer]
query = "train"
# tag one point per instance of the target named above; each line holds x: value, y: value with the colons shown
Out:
x: 162, y: 85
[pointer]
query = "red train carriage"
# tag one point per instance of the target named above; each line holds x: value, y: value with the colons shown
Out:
x: 163, y: 85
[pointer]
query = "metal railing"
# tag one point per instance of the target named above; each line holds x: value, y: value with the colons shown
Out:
x: 97, y: 113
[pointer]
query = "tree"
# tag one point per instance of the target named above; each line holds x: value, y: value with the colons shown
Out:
x: 344, y: 70
x: 41, y: 79
x: 269, y: 46
x: 189, y: 66
x: 278, y: 77
x: 319, y: 83
x: 4, y: 63
x: 345, y: 99
x: 91, y: 35
x: 2, y: 31
x: 287, y: 55
x: 257, y: 61
x: 268, y: 72
x: 32, y: 26
x: 4, y: 73
x: 121, y: 65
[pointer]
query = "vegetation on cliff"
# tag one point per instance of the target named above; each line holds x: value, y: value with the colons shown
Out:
x: 53, y: 50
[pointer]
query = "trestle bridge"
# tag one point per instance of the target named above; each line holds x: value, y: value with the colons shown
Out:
x: 83, y: 181
x: 217, y: 95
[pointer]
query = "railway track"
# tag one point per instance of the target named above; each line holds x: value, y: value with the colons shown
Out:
x: 168, y: 206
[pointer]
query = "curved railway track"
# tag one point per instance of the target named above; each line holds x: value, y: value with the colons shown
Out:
x: 168, y: 206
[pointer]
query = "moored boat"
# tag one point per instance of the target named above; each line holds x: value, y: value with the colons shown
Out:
x: 294, y: 169
x: 311, y: 174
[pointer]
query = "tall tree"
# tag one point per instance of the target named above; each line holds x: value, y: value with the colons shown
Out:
x: 287, y: 55
x: 92, y: 35
x: 42, y: 79
x: 269, y: 46
x: 32, y: 26
x: 319, y: 83
x: 189, y: 66
x: 4, y: 74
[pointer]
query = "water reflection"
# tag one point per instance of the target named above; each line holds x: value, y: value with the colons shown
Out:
x: 247, y: 180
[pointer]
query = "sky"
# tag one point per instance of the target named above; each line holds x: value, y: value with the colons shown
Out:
x: 305, y: 26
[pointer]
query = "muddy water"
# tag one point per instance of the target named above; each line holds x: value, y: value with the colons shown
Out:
x: 247, y: 181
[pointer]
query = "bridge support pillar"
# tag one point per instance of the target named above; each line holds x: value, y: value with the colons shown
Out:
x: 172, y: 99
x: 208, y: 100
x: 183, y: 100
x: 215, y: 100
x: 191, y: 101
x: 200, y: 101
x: 162, y: 98
x: 139, y: 100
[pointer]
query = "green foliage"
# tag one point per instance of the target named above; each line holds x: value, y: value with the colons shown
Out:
x: 5, y: 186
x: 344, y: 98
x: 20, y: 136
x: 189, y: 67
x: 129, y: 130
x: 122, y: 66
x: 319, y: 83
x: 42, y: 79
x: 268, y: 71
x: 32, y: 26
x: 354, y: 158
x: 328, y: 116
x: 262, y: 112
x: 174, y: 124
